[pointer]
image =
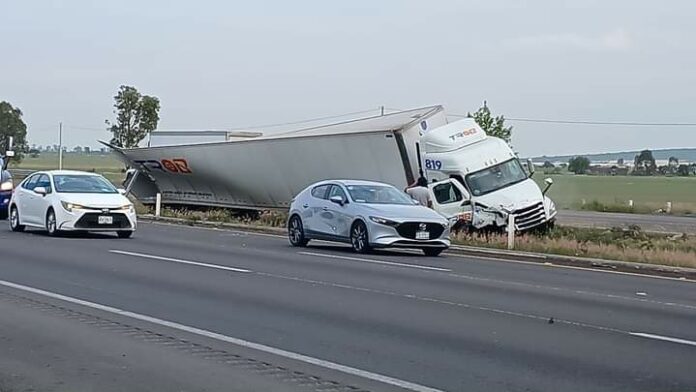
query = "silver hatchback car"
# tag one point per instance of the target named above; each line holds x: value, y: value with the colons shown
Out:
x: 367, y: 215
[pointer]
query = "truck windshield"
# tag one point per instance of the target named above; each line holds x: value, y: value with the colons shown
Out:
x: 377, y: 194
x: 495, y: 177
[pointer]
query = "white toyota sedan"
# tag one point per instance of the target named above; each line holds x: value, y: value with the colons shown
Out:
x: 65, y: 200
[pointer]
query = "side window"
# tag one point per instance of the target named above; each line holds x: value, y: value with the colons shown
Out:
x: 30, y: 183
x: 447, y: 193
x: 320, y: 191
x: 337, y: 191
x: 45, y: 182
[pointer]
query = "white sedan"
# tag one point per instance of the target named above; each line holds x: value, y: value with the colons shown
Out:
x: 71, y: 201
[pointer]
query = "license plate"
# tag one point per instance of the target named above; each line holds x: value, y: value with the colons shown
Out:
x: 105, y: 220
x: 422, y: 235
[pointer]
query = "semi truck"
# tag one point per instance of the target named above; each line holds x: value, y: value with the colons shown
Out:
x: 473, y: 178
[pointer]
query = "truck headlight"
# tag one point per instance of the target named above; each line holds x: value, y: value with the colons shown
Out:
x: 6, y: 186
x: 70, y: 207
x: 383, y: 221
x: 551, y: 206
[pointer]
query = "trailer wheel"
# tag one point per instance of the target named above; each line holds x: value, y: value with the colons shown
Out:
x: 296, y: 233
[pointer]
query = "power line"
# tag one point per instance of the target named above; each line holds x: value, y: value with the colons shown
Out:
x: 583, y: 122
x: 307, y: 121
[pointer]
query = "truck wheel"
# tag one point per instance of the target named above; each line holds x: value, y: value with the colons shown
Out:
x: 14, y: 220
x: 359, y: 238
x: 433, y: 251
x: 296, y: 233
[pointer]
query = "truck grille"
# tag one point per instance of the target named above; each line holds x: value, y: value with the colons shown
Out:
x: 90, y: 220
x: 528, y: 217
x: 409, y: 229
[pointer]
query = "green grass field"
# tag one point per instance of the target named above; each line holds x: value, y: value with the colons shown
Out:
x: 647, y: 193
x: 96, y: 162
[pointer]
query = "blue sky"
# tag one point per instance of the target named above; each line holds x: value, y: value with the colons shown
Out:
x: 225, y: 64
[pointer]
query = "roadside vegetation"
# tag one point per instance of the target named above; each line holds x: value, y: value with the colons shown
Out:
x: 631, y: 244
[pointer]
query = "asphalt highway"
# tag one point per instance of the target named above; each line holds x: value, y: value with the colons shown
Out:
x: 194, y: 309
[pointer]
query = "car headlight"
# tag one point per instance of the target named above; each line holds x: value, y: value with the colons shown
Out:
x: 383, y: 221
x: 70, y: 207
x: 128, y: 207
x: 6, y: 186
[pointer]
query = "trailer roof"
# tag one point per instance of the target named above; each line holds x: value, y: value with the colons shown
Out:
x: 387, y: 122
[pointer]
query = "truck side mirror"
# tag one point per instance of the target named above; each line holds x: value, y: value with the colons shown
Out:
x: 530, y: 167
x: 548, y: 181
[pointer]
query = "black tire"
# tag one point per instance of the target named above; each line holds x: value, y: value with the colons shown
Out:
x: 14, y: 220
x: 433, y: 252
x: 124, y: 234
x: 296, y: 233
x: 51, y: 224
x: 360, y: 238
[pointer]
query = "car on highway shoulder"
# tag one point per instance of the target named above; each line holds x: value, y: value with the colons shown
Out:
x: 366, y: 215
x: 66, y: 200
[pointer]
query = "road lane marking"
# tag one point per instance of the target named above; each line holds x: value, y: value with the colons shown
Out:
x: 664, y: 338
x: 473, y: 257
x: 180, y: 261
x: 330, y: 256
x: 228, y: 339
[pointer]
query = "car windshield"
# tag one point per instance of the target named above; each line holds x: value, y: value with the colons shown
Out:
x: 377, y: 194
x: 495, y: 177
x: 76, y: 183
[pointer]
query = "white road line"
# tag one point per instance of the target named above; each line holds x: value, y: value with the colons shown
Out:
x: 180, y: 261
x: 664, y: 338
x: 224, y: 338
x: 476, y: 257
x: 424, y: 267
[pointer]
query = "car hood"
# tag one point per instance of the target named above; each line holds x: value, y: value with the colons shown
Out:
x: 98, y: 200
x: 513, y: 197
x: 401, y: 213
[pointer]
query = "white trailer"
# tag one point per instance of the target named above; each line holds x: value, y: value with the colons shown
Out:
x: 266, y: 172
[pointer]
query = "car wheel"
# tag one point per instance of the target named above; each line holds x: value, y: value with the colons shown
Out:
x: 14, y: 220
x: 51, y: 225
x: 124, y: 234
x: 433, y: 251
x: 296, y: 233
x: 359, y: 238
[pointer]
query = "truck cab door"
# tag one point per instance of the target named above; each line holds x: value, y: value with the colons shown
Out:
x: 449, y: 197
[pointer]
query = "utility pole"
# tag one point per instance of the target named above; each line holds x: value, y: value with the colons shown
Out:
x: 60, y: 146
x: 381, y: 110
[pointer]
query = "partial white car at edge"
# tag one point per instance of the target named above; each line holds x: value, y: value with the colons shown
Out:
x: 66, y: 200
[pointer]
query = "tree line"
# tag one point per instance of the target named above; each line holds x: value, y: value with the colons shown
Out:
x: 644, y: 164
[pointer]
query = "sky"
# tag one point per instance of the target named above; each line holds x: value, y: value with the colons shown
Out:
x: 230, y: 64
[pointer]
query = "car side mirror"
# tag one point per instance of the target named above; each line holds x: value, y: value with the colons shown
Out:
x: 39, y: 190
x: 338, y: 200
x: 122, y: 191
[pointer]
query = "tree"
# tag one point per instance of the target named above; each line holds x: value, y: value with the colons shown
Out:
x: 11, y: 124
x: 136, y: 116
x: 683, y: 170
x: 620, y: 161
x: 548, y: 165
x: 77, y: 150
x: 87, y: 150
x: 645, y: 163
x: 673, y: 161
x: 494, y: 126
x: 579, y: 165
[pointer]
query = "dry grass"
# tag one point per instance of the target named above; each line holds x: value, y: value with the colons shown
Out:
x: 262, y: 218
x: 625, y: 245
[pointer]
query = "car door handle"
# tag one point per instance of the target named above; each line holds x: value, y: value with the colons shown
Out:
x: 325, y: 208
x: 305, y: 205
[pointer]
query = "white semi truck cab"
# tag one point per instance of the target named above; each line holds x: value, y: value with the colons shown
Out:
x: 479, y: 179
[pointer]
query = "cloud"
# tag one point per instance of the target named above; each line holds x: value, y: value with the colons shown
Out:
x: 614, y: 40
